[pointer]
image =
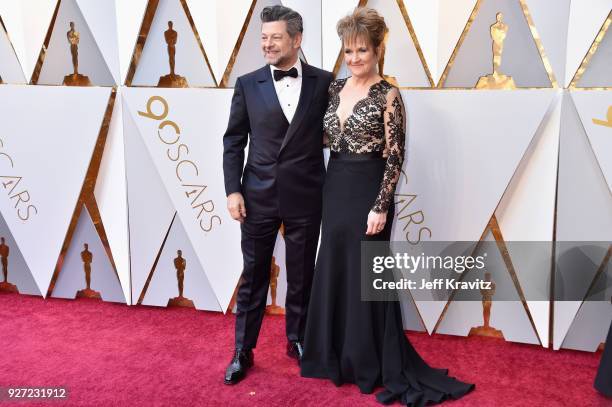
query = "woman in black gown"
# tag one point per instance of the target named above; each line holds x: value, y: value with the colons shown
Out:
x: 603, y: 380
x: 348, y: 340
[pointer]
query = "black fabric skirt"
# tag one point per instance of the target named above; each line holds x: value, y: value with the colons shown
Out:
x: 352, y: 341
x: 603, y: 380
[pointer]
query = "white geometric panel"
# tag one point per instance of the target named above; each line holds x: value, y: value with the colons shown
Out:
x: 584, y: 214
x: 189, y: 59
x: 311, y: 16
x: 411, y: 320
x: 47, y: 158
x: 598, y: 72
x: 526, y: 213
x: 111, y: 194
x: 101, y: 18
x: 438, y: 24
x: 459, y: 162
x: 461, y: 316
x: 424, y: 17
x: 582, y: 187
x: 185, y: 147
x: 590, y: 326
x: 565, y: 312
x: 27, y: 22
x: 71, y: 278
x: 164, y: 282
x: 584, y: 23
x: 507, y: 316
x: 18, y: 272
x: 332, y: 11
x: 219, y: 23
x: 552, y: 21
x: 10, y: 69
x: 520, y: 57
x: 249, y: 56
x: 453, y: 16
x: 129, y: 15
x: 576, y: 322
x: 595, y: 110
x: 58, y: 58
x: 150, y: 209
x: 507, y: 311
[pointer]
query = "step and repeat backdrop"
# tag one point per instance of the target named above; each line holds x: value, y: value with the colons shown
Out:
x: 112, y: 114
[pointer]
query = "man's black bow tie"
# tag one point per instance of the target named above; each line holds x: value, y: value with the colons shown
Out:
x: 278, y: 74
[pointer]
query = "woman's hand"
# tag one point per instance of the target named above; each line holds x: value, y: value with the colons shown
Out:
x: 376, y: 222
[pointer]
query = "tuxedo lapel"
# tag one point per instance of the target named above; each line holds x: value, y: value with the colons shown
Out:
x: 268, y: 93
x: 309, y: 83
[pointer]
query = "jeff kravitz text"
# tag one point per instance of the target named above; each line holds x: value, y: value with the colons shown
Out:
x: 412, y: 264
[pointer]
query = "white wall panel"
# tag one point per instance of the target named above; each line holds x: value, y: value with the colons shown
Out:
x: 49, y: 155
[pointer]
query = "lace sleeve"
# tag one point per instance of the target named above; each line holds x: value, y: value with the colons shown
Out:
x: 395, y: 134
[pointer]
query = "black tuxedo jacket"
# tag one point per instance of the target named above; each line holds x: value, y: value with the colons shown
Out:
x: 284, y: 171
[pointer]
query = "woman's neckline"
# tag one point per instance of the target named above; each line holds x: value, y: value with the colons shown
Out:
x: 342, y: 123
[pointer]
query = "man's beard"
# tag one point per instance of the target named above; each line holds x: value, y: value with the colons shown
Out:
x: 279, y: 60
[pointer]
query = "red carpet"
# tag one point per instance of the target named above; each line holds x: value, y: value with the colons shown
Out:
x: 109, y: 354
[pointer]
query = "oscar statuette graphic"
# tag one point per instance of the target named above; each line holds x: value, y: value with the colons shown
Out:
x: 87, y: 292
x: 172, y: 80
x: 487, y: 302
x: 5, y: 286
x: 274, y: 308
x: 381, y: 63
x: 180, y: 264
x: 75, y: 79
x: 497, y: 80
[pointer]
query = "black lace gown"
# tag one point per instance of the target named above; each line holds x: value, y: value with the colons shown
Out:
x: 348, y: 340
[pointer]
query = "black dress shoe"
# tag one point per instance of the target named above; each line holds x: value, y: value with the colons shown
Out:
x: 241, y: 362
x: 295, y: 350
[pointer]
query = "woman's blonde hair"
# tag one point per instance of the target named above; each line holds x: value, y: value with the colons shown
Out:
x: 364, y: 23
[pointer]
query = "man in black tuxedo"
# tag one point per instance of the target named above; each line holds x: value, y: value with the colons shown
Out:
x: 279, y: 110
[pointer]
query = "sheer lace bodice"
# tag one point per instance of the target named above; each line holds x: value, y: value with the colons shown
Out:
x: 376, y: 123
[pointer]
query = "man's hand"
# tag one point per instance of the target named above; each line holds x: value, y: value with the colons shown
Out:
x: 235, y: 206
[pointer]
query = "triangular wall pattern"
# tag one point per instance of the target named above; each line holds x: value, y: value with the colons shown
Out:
x: 154, y: 59
x: 187, y: 156
x: 71, y: 277
x: 164, y: 281
x: 474, y: 56
x: 57, y: 61
x: 50, y: 157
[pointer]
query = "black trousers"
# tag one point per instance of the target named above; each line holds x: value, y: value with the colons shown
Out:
x: 258, y: 238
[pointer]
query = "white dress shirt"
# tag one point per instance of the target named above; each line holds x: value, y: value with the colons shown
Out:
x: 288, y: 90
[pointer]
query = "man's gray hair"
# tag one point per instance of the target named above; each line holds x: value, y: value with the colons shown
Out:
x: 282, y: 13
